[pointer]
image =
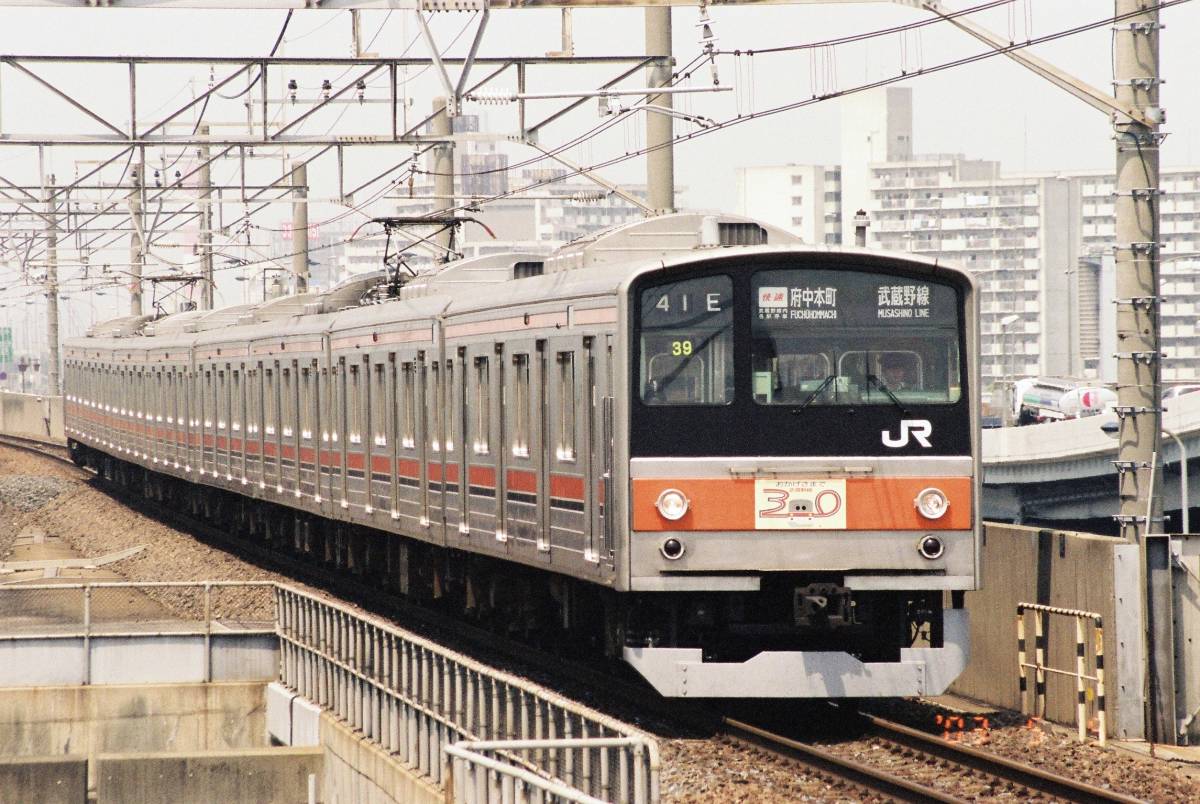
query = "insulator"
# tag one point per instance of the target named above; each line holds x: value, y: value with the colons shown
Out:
x: 494, y: 96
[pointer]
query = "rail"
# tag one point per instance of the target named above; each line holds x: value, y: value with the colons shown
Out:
x: 1080, y: 673
x: 452, y: 718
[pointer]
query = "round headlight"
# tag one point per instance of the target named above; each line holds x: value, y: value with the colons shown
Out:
x: 932, y: 503
x: 931, y: 547
x: 672, y: 504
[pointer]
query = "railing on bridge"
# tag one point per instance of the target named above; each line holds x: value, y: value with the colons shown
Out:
x: 436, y: 708
x: 449, y: 718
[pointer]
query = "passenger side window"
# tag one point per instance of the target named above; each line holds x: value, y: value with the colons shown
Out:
x: 520, y: 442
x: 565, y: 449
x: 483, y: 407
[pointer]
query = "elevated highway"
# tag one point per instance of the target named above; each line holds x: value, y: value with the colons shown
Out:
x: 1063, y: 472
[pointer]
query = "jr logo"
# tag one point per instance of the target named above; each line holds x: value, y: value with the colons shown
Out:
x: 917, y: 428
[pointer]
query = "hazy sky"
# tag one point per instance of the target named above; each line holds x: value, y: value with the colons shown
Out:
x: 991, y: 109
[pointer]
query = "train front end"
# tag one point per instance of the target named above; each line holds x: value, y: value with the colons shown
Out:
x: 803, y: 474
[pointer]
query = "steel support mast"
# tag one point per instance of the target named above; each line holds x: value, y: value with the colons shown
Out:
x: 660, y: 125
x: 55, y: 369
x: 300, y: 227
x: 206, y: 218
x: 137, y: 240
x: 441, y: 164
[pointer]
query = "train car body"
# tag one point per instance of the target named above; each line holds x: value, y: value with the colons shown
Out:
x: 746, y: 466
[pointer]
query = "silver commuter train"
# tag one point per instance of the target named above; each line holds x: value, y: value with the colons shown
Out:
x: 747, y: 466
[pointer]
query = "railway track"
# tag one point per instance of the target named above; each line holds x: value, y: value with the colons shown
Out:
x: 990, y: 774
x: 58, y: 452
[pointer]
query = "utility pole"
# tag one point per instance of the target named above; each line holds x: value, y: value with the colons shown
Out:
x: 660, y: 126
x: 137, y: 251
x: 1139, y: 359
x: 441, y: 164
x: 52, y: 288
x: 300, y: 226
x: 206, y: 254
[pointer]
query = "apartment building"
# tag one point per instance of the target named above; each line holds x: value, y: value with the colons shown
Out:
x: 1039, y: 243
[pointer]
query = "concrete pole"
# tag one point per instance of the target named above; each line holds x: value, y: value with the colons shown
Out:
x: 55, y: 368
x: 660, y: 127
x: 441, y: 165
x: 136, y: 246
x: 1139, y: 364
x: 300, y: 226
x: 1139, y: 361
x: 206, y: 218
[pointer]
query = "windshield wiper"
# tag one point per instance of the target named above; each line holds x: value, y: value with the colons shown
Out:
x: 882, y: 386
x: 820, y: 388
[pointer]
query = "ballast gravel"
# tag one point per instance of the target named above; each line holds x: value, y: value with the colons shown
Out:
x: 30, y: 492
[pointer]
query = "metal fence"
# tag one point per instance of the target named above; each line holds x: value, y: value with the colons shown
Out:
x: 1041, y: 668
x: 82, y: 625
x: 486, y: 735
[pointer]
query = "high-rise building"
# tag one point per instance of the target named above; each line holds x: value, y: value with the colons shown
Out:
x: 804, y: 199
x: 1040, y: 243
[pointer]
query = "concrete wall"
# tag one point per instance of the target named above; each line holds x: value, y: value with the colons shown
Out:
x: 1056, y: 568
x: 45, y: 780
x: 261, y: 776
x: 355, y: 769
x: 48, y: 721
x: 30, y: 416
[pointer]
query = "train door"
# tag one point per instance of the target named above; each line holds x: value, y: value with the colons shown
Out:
x: 289, y: 388
x: 482, y: 444
x: 187, y: 412
x: 463, y: 453
x: 167, y: 419
x: 434, y: 410
x: 409, y: 473
x: 208, y: 437
x: 326, y: 396
x: 357, y: 450
x: 252, y: 434
x: 451, y: 445
x: 222, y: 433
x: 392, y: 415
x: 271, y: 425
x: 568, y: 449
x: 379, y: 466
x: 307, y: 442
x: 540, y: 448
x: 237, y: 419
x: 337, y: 436
x: 603, y: 460
x: 522, y: 450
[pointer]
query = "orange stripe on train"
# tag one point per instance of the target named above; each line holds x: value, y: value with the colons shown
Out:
x: 872, y: 503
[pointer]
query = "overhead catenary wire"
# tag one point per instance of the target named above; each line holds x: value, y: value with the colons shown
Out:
x: 785, y: 108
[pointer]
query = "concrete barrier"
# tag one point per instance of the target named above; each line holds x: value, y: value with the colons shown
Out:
x: 30, y: 416
x: 356, y: 768
x: 91, y: 720
x: 1055, y: 568
x: 46, y: 780
x: 259, y: 775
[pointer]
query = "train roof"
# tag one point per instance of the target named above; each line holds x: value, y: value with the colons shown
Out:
x: 595, y: 265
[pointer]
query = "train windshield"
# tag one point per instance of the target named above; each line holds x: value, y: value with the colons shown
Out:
x: 687, y: 342
x: 822, y: 337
